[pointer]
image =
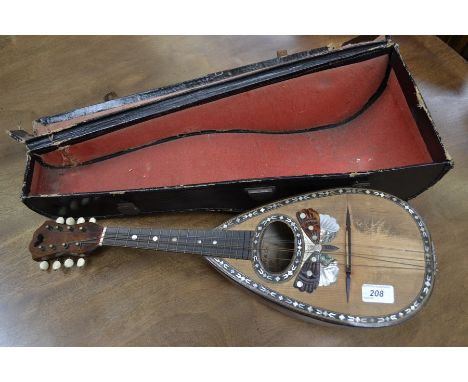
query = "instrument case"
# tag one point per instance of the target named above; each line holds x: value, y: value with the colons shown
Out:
x: 350, y: 116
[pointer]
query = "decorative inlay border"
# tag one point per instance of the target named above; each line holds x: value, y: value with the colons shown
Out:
x: 296, y: 261
x: 320, y: 313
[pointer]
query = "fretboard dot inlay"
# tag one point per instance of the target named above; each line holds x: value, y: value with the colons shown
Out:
x: 232, y: 244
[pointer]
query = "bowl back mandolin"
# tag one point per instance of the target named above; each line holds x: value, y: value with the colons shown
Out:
x: 347, y: 256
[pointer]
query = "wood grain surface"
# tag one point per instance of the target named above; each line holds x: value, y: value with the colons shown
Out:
x: 134, y: 297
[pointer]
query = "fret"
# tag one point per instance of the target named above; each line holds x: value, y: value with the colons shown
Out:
x: 164, y: 240
x: 187, y: 238
x: 197, y: 242
x: 247, y: 242
x: 223, y: 246
x: 127, y: 237
x: 148, y: 239
x: 212, y: 244
x: 157, y: 239
x: 134, y: 238
x: 226, y: 238
x: 183, y: 240
x: 241, y: 244
x: 140, y: 238
x: 175, y: 240
x: 107, y: 237
x: 240, y: 239
x: 194, y: 246
x: 203, y: 242
x: 246, y: 238
x: 116, y: 236
x: 129, y: 242
x: 236, y: 244
x: 233, y: 244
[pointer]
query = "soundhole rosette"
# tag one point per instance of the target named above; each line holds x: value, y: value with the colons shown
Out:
x: 291, y: 249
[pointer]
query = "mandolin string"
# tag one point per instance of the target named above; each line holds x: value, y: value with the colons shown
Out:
x: 284, y: 259
x: 145, y: 238
x: 366, y: 246
x: 361, y: 257
x: 362, y: 245
x: 408, y: 266
x: 358, y: 255
x: 278, y: 249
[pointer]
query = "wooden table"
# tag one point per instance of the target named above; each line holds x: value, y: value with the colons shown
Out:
x: 127, y: 297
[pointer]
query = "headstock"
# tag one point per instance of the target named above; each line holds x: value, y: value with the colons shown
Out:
x: 64, y: 240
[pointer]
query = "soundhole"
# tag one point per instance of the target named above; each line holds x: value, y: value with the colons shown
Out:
x: 277, y: 247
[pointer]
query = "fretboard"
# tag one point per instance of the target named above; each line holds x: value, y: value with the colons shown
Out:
x: 218, y: 243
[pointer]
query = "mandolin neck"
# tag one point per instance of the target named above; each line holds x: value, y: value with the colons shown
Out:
x: 217, y: 243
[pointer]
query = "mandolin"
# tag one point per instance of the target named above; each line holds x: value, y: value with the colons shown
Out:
x: 347, y: 256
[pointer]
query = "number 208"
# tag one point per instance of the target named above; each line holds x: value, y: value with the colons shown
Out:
x: 376, y: 293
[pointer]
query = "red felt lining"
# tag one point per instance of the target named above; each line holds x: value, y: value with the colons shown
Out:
x: 384, y: 136
x: 312, y: 100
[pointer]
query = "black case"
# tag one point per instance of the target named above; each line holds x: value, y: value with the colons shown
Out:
x: 233, y: 195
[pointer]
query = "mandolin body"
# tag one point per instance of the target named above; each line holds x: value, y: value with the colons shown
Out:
x: 393, y: 263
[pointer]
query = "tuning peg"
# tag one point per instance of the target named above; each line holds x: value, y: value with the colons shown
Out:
x: 56, y: 265
x: 92, y: 220
x: 70, y: 221
x: 44, y: 265
x: 80, y: 262
x: 80, y: 220
x: 60, y: 220
x: 68, y: 263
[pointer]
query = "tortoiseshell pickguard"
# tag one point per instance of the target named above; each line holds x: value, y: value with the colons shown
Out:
x: 308, y: 277
x: 309, y: 220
